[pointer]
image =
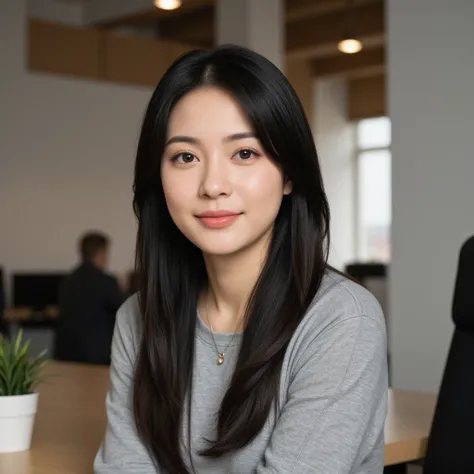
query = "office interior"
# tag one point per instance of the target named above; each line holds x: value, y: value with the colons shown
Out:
x: 392, y: 125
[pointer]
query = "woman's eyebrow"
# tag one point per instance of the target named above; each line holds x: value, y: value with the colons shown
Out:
x: 182, y: 139
x: 239, y: 136
x: 195, y: 141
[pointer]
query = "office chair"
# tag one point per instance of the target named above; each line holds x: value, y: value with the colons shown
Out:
x: 452, y: 433
x: 361, y: 271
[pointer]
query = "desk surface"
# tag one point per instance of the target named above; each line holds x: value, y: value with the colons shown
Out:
x: 71, y: 420
x: 21, y: 315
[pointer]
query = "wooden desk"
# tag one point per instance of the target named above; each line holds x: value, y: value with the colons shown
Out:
x: 25, y: 315
x: 69, y: 424
x: 71, y: 421
x: 407, y: 426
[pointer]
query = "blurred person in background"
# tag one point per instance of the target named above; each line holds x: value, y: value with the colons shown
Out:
x: 88, y: 301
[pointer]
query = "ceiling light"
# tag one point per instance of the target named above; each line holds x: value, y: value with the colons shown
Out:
x: 349, y: 46
x: 168, y: 4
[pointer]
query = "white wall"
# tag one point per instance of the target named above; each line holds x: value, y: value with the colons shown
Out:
x: 431, y: 97
x: 66, y: 159
x: 335, y: 144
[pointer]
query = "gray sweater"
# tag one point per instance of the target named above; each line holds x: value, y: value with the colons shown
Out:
x: 331, y: 404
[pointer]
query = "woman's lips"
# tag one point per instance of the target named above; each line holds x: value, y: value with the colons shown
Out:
x: 218, y: 219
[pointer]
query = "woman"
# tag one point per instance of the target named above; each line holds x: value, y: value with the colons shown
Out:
x: 244, y: 352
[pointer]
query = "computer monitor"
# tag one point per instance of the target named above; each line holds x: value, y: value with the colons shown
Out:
x: 36, y: 290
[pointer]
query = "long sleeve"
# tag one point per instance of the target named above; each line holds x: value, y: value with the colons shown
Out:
x: 336, y: 405
x: 122, y: 452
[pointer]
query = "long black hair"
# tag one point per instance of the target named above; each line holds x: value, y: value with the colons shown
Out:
x: 172, y: 272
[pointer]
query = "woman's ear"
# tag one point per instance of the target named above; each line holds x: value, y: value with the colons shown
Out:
x: 287, y: 187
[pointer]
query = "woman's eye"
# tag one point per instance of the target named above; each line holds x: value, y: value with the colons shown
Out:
x: 184, y: 158
x: 245, y: 154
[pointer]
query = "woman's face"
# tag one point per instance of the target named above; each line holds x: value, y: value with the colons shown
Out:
x: 223, y: 192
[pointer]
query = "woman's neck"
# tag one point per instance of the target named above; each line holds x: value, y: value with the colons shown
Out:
x: 232, y: 279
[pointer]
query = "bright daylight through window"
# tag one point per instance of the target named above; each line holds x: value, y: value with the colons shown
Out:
x: 374, y: 203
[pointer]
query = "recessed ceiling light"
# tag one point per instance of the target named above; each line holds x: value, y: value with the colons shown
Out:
x: 349, y: 46
x: 168, y: 4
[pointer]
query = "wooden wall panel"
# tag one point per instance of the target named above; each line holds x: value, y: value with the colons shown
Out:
x: 299, y: 72
x: 97, y: 54
x: 133, y: 60
x: 63, y: 50
x: 367, y: 97
x: 369, y: 62
x: 138, y: 60
x: 100, y: 55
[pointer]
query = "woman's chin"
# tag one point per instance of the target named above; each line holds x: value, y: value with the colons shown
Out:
x: 229, y: 244
x: 220, y: 250
x: 221, y: 246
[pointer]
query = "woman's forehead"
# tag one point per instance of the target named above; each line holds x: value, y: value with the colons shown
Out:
x: 208, y: 112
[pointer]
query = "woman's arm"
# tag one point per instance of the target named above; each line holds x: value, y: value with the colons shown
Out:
x: 122, y: 452
x: 337, y: 402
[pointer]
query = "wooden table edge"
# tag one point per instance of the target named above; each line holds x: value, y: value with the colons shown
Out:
x: 405, y: 451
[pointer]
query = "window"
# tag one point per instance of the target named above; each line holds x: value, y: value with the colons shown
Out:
x: 374, y: 194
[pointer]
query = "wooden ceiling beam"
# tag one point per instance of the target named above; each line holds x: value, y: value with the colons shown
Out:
x: 195, y: 27
x: 313, y: 28
x: 367, y: 97
x: 308, y: 38
x: 153, y: 14
x: 303, y: 9
x: 294, y: 10
x: 319, y: 36
x: 367, y: 62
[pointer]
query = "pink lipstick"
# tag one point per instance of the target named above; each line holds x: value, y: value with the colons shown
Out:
x: 218, y: 219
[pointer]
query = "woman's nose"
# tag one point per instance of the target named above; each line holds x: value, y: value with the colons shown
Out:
x: 215, y: 180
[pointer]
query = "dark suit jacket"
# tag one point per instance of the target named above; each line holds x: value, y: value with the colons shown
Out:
x: 88, y: 302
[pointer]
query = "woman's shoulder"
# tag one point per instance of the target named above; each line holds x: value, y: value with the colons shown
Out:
x: 342, y: 297
x: 339, y: 305
x: 129, y: 312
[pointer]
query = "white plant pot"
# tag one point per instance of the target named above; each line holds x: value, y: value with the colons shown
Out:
x: 17, y: 419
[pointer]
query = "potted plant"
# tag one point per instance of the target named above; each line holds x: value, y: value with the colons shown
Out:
x: 19, y: 376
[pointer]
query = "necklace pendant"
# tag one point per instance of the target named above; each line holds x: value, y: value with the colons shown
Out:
x: 220, y: 358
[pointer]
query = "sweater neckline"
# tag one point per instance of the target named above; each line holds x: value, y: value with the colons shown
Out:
x: 222, y: 339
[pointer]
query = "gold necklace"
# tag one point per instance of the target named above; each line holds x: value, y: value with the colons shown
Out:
x: 220, y: 355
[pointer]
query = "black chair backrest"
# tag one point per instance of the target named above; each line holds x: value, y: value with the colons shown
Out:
x: 452, y: 432
x: 374, y: 277
x: 361, y: 271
